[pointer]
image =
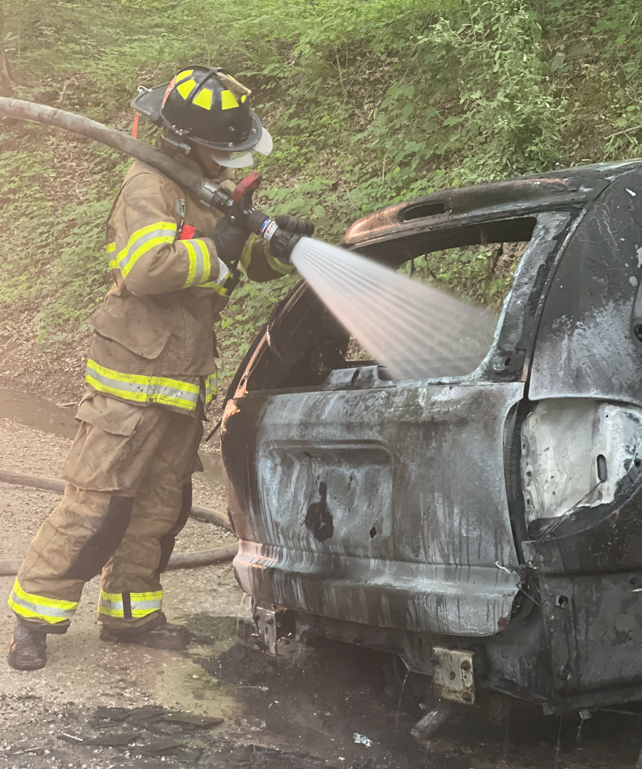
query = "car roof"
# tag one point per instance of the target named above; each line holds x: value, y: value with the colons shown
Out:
x: 453, y: 209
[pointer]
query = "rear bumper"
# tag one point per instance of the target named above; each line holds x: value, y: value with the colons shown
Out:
x: 408, y: 596
x: 579, y: 646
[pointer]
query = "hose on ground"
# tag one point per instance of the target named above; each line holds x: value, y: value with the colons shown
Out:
x: 10, y: 568
x: 202, y: 557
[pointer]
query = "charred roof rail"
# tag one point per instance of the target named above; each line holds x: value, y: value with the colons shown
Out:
x: 566, y: 188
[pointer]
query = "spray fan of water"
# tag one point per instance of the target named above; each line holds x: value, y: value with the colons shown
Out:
x: 416, y: 331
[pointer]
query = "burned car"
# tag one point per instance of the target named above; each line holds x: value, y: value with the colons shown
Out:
x: 486, y: 528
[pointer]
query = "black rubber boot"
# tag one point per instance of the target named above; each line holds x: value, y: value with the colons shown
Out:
x: 161, y: 636
x: 28, y: 648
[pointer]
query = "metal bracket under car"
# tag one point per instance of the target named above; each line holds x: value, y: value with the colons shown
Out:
x: 454, y: 675
x: 272, y: 625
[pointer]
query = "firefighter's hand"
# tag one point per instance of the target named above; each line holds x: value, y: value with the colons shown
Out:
x: 229, y: 241
x: 282, y: 244
x: 294, y: 225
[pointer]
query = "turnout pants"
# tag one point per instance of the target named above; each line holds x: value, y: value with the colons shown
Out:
x: 128, y: 495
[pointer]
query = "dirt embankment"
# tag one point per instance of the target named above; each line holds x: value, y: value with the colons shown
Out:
x: 55, y: 371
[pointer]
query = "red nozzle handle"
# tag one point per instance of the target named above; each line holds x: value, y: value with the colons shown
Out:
x: 242, y: 195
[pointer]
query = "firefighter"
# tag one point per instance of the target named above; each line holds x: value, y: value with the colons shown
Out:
x: 150, y: 376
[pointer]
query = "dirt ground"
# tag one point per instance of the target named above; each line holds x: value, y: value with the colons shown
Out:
x: 226, y: 703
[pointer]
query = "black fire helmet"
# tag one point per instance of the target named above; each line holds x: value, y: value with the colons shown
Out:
x: 203, y: 105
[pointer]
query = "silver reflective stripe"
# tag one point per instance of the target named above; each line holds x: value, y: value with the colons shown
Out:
x: 143, y: 388
x: 198, y: 263
x: 149, y: 606
x: 211, y: 387
x: 136, y: 241
x: 223, y: 272
x: 40, y: 609
x: 114, y: 607
x: 202, y: 260
x: 152, y: 605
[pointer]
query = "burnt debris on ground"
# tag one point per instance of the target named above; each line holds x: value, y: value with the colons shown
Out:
x: 357, y: 706
x: 319, y: 705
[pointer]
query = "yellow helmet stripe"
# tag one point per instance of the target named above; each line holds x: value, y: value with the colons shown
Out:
x: 186, y: 88
x: 228, y: 100
x: 204, y: 98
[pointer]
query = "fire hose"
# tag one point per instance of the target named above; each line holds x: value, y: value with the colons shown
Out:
x: 177, y: 561
x: 236, y: 206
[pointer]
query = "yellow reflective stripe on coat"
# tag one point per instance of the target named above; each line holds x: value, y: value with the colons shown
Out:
x: 221, y: 290
x: 32, y: 606
x: 142, y: 389
x: 211, y: 387
x: 110, y: 248
x: 199, y: 263
x: 129, y: 605
x: 218, y: 279
x: 143, y: 241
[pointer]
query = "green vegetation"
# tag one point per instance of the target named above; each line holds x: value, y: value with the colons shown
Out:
x: 370, y: 102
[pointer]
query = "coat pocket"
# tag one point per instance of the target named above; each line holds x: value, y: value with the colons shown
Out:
x: 133, y: 324
x: 109, y: 453
x: 109, y: 414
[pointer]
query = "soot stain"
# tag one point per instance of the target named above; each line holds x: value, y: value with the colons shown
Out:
x: 318, y: 519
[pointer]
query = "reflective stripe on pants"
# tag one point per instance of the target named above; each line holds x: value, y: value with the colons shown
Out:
x: 38, y: 607
x: 129, y: 605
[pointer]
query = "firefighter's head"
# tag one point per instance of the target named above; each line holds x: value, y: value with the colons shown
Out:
x: 207, y: 111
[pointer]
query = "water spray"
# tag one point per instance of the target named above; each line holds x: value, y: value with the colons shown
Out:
x: 414, y: 330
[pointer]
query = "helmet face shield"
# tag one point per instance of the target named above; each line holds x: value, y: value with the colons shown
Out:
x: 205, y: 106
x: 232, y: 159
x: 265, y: 144
x: 244, y: 159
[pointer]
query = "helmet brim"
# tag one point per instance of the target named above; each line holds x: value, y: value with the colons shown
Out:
x: 150, y: 103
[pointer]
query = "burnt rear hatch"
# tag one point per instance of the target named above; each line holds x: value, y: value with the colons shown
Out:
x: 384, y: 503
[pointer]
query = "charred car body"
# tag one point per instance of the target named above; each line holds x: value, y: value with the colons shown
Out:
x: 487, y: 528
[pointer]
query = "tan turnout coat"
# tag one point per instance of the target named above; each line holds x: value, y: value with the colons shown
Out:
x: 154, y: 339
